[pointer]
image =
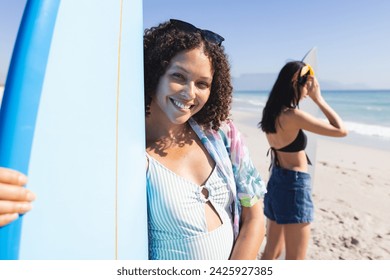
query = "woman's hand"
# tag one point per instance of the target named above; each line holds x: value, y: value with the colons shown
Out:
x: 14, y: 198
x: 334, y: 128
x: 313, y: 88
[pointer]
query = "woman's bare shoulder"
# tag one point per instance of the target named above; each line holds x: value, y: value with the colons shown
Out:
x: 290, y: 118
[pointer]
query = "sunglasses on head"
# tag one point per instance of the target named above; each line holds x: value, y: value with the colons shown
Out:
x: 304, y: 72
x: 208, y: 35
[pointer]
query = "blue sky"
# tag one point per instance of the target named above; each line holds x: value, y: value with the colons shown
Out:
x: 352, y: 36
x: 10, y: 15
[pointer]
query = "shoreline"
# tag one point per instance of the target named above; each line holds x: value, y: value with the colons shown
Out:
x: 366, y: 118
x: 351, y: 193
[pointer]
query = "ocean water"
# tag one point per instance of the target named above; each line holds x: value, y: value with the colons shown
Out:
x: 366, y: 113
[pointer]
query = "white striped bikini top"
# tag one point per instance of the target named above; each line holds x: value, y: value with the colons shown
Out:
x: 176, y: 216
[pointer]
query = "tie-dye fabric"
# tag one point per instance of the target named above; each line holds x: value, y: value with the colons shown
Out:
x: 227, y: 148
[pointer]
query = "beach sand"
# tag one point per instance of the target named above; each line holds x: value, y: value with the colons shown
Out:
x: 351, y: 195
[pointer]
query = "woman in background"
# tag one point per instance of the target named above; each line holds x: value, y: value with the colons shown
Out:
x: 288, y: 205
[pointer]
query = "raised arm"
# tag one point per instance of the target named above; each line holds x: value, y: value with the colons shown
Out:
x: 334, y: 127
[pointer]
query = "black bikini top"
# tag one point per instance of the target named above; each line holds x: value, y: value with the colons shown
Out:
x: 299, y: 144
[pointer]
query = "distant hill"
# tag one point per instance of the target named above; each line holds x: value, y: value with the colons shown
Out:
x: 265, y: 81
x: 255, y: 81
x: 333, y: 85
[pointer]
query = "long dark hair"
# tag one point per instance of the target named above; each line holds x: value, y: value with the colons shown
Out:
x: 285, y: 93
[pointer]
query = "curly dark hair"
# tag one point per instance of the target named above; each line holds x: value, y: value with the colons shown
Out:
x: 161, y: 44
x: 285, y: 93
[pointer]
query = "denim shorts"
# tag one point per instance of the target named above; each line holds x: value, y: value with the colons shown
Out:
x: 288, y: 198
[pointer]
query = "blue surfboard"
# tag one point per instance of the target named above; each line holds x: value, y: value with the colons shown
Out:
x: 72, y: 118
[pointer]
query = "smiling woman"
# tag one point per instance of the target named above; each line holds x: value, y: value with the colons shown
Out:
x: 184, y: 88
x: 198, y: 168
x: 204, y: 194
